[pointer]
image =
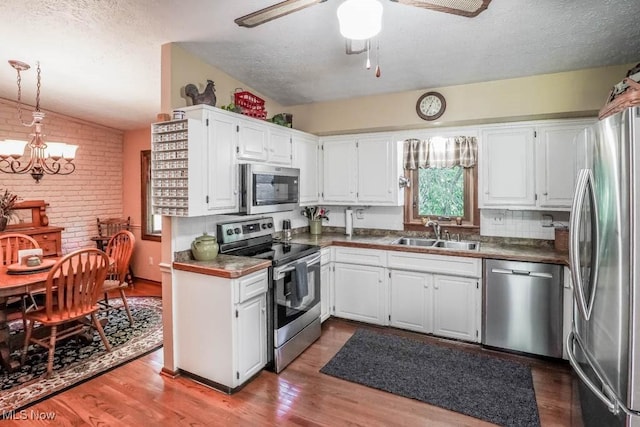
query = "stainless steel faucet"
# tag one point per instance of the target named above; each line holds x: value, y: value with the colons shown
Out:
x: 436, y: 228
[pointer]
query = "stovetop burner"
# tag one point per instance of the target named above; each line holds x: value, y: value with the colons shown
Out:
x: 278, y: 252
x: 252, y: 238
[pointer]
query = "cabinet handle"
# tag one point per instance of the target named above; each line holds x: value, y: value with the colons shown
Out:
x: 436, y: 287
x: 486, y: 192
x: 45, y: 237
x: 544, y: 194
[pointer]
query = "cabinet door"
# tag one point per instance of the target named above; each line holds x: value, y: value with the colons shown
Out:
x: 339, y: 171
x: 325, y: 292
x: 305, y: 158
x: 360, y: 293
x: 222, y: 176
x: 252, y: 141
x: 454, y: 307
x: 556, y: 150
x: 376, y: 171
x: 507, y: 167
x: 411, y: 301
x: 280, y: 146
x: 251, y: 336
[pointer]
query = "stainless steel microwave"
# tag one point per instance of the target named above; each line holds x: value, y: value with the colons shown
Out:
x: 267, y: 188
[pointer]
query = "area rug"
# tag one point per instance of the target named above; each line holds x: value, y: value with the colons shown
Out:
x: 480, y: 386
x: 77, y: 361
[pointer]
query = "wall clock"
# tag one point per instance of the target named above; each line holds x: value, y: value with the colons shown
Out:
x: 430, y: 105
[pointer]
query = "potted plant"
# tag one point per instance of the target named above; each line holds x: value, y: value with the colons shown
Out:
x: 8, y: 201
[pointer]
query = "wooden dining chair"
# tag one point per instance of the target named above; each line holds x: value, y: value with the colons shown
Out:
x: 119, y: 249
x: 107, y: 228
x: 72, y: 289
x: 10, y: 244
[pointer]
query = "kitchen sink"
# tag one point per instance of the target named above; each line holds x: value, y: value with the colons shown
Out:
x: 412, y: 241
x: 447, y: 244
x: 433, y: 243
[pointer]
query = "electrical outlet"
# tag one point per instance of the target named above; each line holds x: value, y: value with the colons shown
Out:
x: 359, y: 213
x: 150, y: 260
x: 498, y: 219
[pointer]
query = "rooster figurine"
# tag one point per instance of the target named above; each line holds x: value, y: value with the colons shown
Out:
x: 207, y: 97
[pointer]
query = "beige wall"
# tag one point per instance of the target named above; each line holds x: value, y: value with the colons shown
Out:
x: 572, y: 94
x: 146, y: 257
x: 179, y: 68
x: 76, y: 200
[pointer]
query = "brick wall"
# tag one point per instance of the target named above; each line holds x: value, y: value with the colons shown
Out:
x: 93, y: 190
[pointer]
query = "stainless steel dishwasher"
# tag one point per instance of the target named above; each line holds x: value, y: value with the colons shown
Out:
x: 522, y: 307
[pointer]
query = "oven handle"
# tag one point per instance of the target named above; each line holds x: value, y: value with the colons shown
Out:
x: 279, y: 271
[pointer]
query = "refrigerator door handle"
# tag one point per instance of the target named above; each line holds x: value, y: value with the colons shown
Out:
x: 582, y: 186
x: 611, y: 404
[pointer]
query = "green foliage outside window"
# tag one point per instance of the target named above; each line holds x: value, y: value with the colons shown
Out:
x: 441, y: 192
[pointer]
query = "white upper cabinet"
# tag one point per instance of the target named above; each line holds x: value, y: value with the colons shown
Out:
x: 339, y: 173
x: 259, y: 141
x: 306, y: 158
x: 378, y: 170
x: 532, y: 166
x: 252, y: 140
x: 507, y: 165
x: 361, y: 170
x: 279, y: 146
x: 558, y: 148
x: 222, y: 169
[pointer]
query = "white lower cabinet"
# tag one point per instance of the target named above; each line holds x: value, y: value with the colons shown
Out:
x: 219, y: 327
x: 455, y: 306
x: 325, y: 285
x: 411, y: 301
x: 360, y: 293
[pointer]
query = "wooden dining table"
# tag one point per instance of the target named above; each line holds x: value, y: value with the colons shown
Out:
x: 14, y: 285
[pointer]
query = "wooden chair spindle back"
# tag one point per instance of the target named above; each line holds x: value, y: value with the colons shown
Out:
x: 75, y: 282
x: 11, y: 243
x: 120, y: 249
x: 110, y: 226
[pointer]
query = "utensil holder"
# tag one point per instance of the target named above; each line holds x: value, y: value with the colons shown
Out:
x: 315, y: 226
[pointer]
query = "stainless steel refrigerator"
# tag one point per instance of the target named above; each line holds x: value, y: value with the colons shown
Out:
x: 604, y: 251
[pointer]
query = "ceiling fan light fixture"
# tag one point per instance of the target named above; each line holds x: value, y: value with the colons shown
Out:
x: 360, y: 19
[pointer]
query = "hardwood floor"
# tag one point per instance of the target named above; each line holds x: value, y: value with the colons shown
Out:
x: 136, y: 394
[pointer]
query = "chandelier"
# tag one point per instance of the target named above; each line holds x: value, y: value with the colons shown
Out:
x: 44, y: 157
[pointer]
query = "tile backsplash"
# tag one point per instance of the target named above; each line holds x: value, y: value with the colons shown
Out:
x: 522, y: 224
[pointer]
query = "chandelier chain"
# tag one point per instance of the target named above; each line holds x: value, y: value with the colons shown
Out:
x: 38, y: 88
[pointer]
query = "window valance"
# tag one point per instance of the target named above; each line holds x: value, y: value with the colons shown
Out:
x: 439, y: 152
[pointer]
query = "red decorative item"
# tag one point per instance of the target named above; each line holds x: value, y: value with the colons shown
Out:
x: 250, y: 104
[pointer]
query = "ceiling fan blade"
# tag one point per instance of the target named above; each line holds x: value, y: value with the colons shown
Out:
x: 468, y: 8
x: 276, y: 11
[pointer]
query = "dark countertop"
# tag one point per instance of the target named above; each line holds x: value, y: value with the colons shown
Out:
x: 227, y: 266
x: 493, y: 250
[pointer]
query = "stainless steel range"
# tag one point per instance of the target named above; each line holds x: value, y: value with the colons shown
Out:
x: 293, y: 300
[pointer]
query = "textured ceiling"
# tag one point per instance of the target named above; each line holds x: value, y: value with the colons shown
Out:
x: 101, y: 58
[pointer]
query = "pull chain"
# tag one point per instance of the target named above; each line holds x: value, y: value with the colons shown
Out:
x: 378, y: 59
x: 38, y: 87
x: 368, y: 51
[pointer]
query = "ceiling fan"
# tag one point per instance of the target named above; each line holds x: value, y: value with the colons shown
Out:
x: 468, y: 8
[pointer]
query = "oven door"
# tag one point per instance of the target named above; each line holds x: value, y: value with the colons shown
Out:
x: 296, y: 299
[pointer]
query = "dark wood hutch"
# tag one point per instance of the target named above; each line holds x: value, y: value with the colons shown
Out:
x: 32, y: 220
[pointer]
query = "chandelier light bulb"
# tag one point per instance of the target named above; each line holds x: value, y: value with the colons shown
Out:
x: 360, y: 19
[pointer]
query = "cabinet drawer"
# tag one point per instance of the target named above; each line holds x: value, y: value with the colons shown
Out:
x: 49, y: 242
x: 250, y: 286
x: 360, y: 256
x: 454, y: 265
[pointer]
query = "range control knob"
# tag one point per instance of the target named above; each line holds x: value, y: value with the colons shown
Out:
x: 270, y: 225
x: 236, y: 230
x: 229, y: 232
x: 264, y: 226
